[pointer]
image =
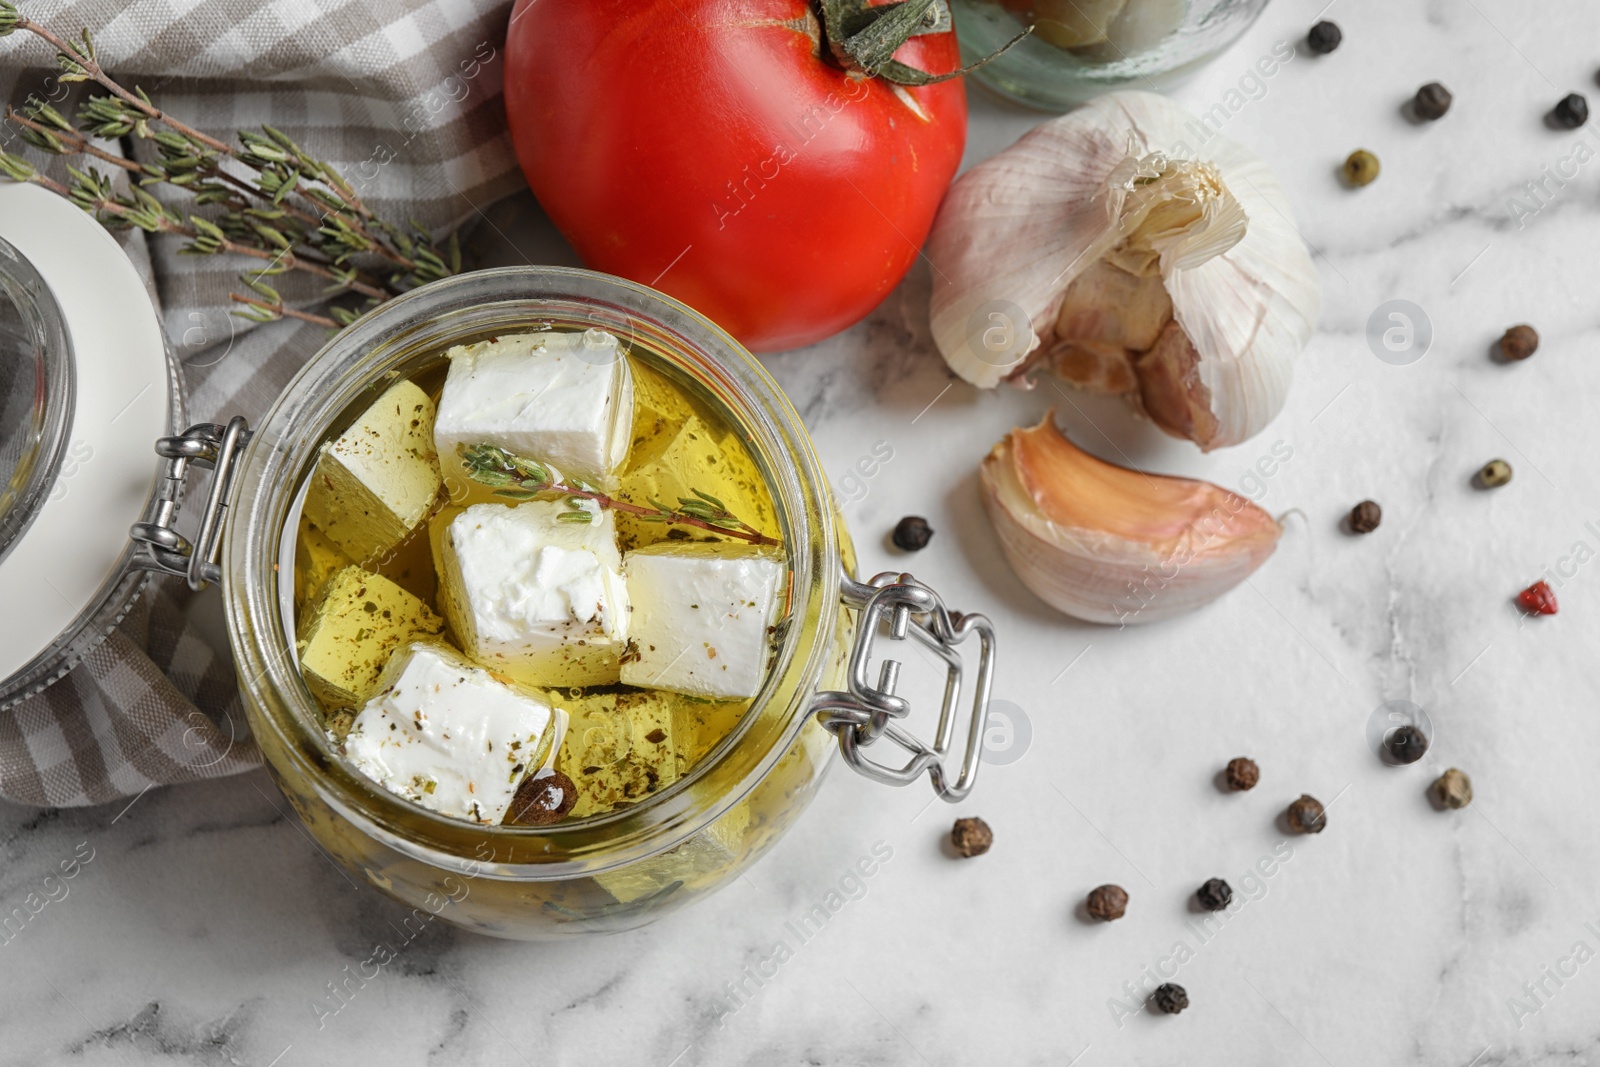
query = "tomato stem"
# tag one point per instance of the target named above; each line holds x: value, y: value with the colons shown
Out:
x: 863, y: 38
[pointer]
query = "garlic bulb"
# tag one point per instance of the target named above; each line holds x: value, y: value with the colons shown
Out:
x: 1102, y: 245
x: 1107, y: 544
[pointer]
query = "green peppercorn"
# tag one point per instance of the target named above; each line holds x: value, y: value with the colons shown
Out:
x: 1452, y: 789
x: 1495, y: 473
x: 1431, y: 101
x: 1361, y: 168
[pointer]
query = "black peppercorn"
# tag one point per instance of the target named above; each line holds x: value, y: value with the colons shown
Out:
x: 912, y: 534
x: 1324, y: 37
x: 1365, y: 516
x: 1431, y: 101
x: 1519, y: 342
x: 1170, y: 998
x: 1407, y: 744
x: 543, y: 800
x: 1242, y: 773
x: 1107, y: 902
x: 971, y: 837
x: 1306, y: 815
x: 1572, y: 112
x: 1214, y: 895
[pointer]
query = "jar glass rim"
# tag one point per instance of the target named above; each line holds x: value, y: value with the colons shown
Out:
x: 35, y: 443
x: 375, y: 350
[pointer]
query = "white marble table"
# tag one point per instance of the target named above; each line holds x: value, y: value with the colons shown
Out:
x: 206, y: 927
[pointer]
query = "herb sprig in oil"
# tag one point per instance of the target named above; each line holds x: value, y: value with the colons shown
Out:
x: 516, y: 478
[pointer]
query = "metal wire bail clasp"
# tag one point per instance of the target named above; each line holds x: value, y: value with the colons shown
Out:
x: 167, y: 551
x: 867, y: 712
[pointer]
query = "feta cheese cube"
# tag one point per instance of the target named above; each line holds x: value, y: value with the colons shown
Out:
x: 701, y: 612
x: 564, y: 399
x: 409, y: 564
x: 316, y: 559
x: 373, y: 485
x: 348, y: 638
x: 448, y: 735
x: 670, y: 462
x: 534, y: 596
x: 618, y: 749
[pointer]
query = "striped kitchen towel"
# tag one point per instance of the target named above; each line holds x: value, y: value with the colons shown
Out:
x: 403, y: 98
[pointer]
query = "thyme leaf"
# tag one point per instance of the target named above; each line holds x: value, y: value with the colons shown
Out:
x: 518, y: 478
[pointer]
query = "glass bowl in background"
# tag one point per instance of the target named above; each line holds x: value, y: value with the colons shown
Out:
x: 1082, y: 48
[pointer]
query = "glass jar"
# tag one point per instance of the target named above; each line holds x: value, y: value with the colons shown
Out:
x: 1082, y: 48
x: 86, y: 380
x: 622, y: 869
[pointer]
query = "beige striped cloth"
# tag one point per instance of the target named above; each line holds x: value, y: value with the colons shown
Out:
x: 403, y: 97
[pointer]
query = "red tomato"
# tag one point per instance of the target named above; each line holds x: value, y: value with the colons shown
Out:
x: 706, y: 148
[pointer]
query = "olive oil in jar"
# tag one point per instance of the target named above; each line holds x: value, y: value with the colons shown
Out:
x: 686, y: 513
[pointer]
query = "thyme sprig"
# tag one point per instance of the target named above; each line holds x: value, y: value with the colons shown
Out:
x: 270, y: 199
x: 516, y: 478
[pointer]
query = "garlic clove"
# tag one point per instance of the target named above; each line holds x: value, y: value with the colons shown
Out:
x: 1069, y: 23
x: 1112, y: 545
x: 1086, y: 240
x: 1140, y: 25
x: 1171, y: 389
x: 1107, y: 317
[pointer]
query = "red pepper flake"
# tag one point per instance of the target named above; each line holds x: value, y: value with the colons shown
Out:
x: 1539, y: 599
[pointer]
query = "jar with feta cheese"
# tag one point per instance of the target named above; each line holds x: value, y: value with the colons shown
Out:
x: 403, y: 709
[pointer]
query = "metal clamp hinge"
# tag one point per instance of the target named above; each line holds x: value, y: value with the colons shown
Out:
x: 165, y: 550
x: 867, y: 712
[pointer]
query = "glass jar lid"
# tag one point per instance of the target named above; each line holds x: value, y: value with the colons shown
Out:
x: 87, y: 385
x: 36, y: 393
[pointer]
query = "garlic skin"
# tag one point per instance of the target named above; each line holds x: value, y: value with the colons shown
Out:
x: 1103, y: 245
x: 1111, y: 545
